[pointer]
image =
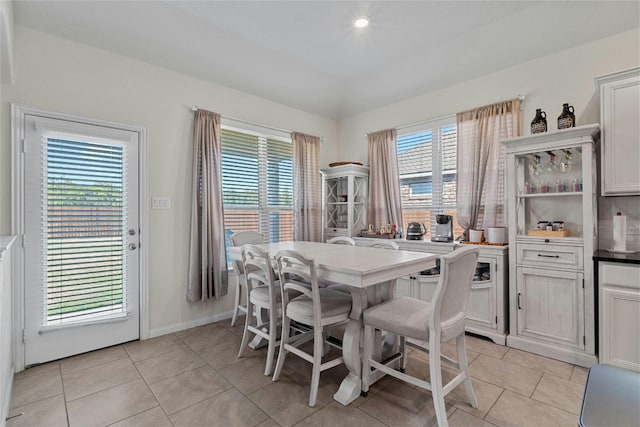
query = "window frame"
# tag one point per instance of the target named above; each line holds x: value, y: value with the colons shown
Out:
x: 437, y: 173
x: 263, y: 209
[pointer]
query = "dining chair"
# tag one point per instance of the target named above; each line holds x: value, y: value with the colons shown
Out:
x: 263, y: 292
x: 238, y: 239
x: 316, y: 307
x: 436, y: 323
x: 342, y: 240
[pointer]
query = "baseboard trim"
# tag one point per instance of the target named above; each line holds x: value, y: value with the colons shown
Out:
x: 7, y: 399
x: 156, y: 332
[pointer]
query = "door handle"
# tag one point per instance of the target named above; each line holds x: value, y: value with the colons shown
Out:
x: 549, y: 256
x: 519, y: 306
x: 132, y: 246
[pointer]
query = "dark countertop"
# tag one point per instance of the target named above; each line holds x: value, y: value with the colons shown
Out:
x: 603, y: 255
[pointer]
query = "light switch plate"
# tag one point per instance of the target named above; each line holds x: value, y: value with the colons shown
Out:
x: 160, y: 203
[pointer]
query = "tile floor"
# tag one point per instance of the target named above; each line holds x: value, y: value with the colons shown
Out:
x: 194, y: 378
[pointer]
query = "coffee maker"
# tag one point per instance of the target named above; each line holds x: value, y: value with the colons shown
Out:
x: 444, y: 229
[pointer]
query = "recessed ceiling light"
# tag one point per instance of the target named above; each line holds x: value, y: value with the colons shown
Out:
x: 361, y: 21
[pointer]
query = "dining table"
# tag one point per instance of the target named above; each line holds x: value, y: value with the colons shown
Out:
x: 361, y: 268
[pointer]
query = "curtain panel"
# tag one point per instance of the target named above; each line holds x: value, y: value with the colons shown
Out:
x: 384, y: 204
x: 480, y: 163
x: 307, y: 205
x: 208, y: 275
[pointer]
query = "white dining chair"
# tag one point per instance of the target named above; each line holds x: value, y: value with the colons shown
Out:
x: 238, y: 239
x: 436, y: 323
x: 316, y: 307
x: 263, y: 293
x: 342, y: 240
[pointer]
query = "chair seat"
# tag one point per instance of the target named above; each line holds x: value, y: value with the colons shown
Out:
x: 260, y: 295
x: 333, y: 304
x: 403, y: 315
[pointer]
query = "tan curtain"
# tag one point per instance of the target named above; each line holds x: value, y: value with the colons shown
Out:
x: 384, y: 205
x: 306, y: 188
x: 208, y: 275
x: 480, y: 163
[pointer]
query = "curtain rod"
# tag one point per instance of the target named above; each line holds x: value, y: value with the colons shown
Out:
x: 521, y: 98
x: 247, y: 122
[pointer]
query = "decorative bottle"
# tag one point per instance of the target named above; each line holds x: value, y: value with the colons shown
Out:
x: 567, y: 119
x: 539, y: 123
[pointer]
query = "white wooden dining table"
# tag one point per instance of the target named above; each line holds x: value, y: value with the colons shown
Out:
x: 359, y: 268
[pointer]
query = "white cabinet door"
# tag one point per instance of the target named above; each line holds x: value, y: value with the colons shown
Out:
x: 481, y: 307
x: 550, y: 306
x: 620, y: 315
x: 620, y: 115
x: 620, y: 333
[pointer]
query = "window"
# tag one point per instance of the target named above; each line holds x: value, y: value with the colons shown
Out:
x: 427, y: 166
x: 257, y: 182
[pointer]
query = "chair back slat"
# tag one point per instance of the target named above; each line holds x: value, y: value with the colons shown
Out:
x: 257, y: 269
x: 382, y: 244
x: 342, y: 240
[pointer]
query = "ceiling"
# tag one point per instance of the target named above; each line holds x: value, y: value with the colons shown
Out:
x: 306, y: 54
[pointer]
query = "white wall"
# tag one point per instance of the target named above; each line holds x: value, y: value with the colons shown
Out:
x: 60, y: 75
x: 547, y: 83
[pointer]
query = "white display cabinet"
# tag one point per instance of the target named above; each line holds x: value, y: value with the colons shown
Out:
x: 552, y: 177
x: 344, y: 200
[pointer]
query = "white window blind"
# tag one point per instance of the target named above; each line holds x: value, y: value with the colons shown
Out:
x: 427, y: 168
x: 83, y: 210
x: 257, y: 184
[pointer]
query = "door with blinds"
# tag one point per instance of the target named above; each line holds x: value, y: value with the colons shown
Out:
x: 81, y: 227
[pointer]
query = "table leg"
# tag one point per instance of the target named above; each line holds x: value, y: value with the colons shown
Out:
x: 352, y: 384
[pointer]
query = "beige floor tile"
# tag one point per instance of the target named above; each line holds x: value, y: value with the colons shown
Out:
x: 269, y: 423
x: 505, y: 374
x: 39, y: 369
x: 50, y: 412
x: 400, y: 404
x: 513, y: 409
x: 247, y: 376
x: 188, y: 388
x: 169, y: 364
x: 220, y: 356
x: 91, y: 359
x: 29, y: 389
x: 579, y: 374
x: 111, y: 405
x: 287, y: 400
x: 86, y: 381
x: 485, y: 346
x: 228, y: 409
x: 238, y: 329
x: 563, y: 394
x: 541, y: 363
x: 140, y: 350
x: 204, y: 336
x: 486, y: 394
x: 462, y: 419
x: 154, y: 417
x: 334, y: 414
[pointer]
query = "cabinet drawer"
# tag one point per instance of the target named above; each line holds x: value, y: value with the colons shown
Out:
x: 617, y: 274
x: 550, y: 256
x: 334, y: 232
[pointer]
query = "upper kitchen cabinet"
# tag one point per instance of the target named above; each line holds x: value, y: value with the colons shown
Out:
x: 344, y: 200
x: 620, y: 139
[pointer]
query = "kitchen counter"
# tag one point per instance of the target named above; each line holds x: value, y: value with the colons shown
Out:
x: 602, y: 255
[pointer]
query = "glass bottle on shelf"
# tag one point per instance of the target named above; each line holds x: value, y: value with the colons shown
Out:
x: 566, y: 119
x: 539, y: 122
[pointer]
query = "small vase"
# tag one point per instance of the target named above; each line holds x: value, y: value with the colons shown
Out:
x: 567, y: 119
x: 539, y: 123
